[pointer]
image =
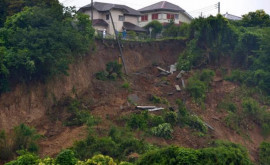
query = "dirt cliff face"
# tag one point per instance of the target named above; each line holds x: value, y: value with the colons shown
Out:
x: 28, y: 103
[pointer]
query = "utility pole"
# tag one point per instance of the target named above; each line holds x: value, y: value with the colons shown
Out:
x: 92, y: 8
x: 118, y: 42
x: 201, y: 14
x: 218, y: 7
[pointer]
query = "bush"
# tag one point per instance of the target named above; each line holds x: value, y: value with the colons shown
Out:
x: 25, y: 138
x: 25, y: 159
x: 197, y: 89
x: 207, y: 75
x: 163, y: 130
x: 5, y: 147
x: 196, y: 123
x: 155, y: 120
x: 171, y: 117
x: 100, y: 160
x: 66, y: 157
x: 250, y: 107
x: 113, y: 70
x: 137, y: 121
x: 102, y: 75
x: 264, y: 153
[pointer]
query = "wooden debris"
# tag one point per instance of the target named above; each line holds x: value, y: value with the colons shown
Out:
x: 183, y: 83
x: 209, y: 126
x: 172, y: 68
x: 163, y: 70
x: 178, y: 88
x: 150, y: 108
x: 179, y: 75
x: 155, y: 109
x: 146, y: 107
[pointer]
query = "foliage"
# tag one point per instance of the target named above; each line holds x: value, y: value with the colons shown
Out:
x: 214, y: 155
x: 5, y: 147
x: 25, y: 159
x: 25, y: 138
x: 171, y: 117
x: 163, y: 130
x: 66, y: 157
x: 138, y: 121
x: 156, y: 27
x: 264, y: 153
x: 209, y: 39
x: 257, y: 18
x: 118, y: 144
x: 113, y: 70
x: 197, y: 89
x: 158, y: 100
x: 40, y: 42
x: 132, y: 35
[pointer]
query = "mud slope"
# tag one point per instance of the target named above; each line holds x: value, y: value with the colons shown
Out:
x: 27, y: 103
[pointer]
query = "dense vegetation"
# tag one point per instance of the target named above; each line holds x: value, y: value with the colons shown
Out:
x: 38, y: 42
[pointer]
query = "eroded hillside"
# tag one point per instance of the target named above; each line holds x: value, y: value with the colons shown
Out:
x: 43, y: 105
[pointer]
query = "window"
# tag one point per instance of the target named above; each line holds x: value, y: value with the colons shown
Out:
x: 160, y: 16
x: 121, y: 18
x: 144, y: 18
x: 176, y: 16
x: 154, y: 16
x: 170, y: 16
x: 107, y: 16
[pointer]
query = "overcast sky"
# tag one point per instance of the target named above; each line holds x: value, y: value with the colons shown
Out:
x: 193, y: 7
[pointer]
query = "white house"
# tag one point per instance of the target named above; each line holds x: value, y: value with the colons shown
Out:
x: 164, y: 12
x: 123, y: 16
x: 232, y: 17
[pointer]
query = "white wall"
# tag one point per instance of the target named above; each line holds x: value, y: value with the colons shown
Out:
x: 163, y: 18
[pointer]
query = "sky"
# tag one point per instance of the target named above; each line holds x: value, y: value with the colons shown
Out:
x: 193, y: 7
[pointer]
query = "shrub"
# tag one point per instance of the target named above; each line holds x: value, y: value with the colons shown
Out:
x: 137, y: 121
x: 250, y: 106
x: 163, y: 130
x: 100, y: 160
x: 25, y: 159
x: 126, y: 85
x: 102, y: 75
x: 207, y: 75
x: 5, y: 147
x: 264, y: 153
x: 113, y: 70
x: 171, y: 117
x: 197, y: 89
x: 25, y: 138
x: 159, y: 100
x: 196, y: 123
x: 155, y: 120
x: 66, y: 157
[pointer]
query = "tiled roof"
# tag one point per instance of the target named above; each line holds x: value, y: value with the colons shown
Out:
x: 99, y: 6
x: 129, y: 26
x: 162, y: 5
x: 100, y: 22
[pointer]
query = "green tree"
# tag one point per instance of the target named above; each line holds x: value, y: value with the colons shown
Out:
x: 156, y: 27
x: 41, y: 42
x: 257, y: 18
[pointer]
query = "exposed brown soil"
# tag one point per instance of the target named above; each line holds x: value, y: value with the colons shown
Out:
x: 109, y: 101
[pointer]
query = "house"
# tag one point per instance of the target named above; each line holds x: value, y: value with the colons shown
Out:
x: 123, y: 16
x: 232, y: 17
x: 164, y: 12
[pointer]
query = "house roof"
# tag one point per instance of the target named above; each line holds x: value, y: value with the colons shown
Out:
x: 232, y: 17
x: 100, y: 22
x: 162, y: 5
x: 131, y: 27
x: 99, y: 6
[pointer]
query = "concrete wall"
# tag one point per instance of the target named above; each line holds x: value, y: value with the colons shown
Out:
x: 163, y: 18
